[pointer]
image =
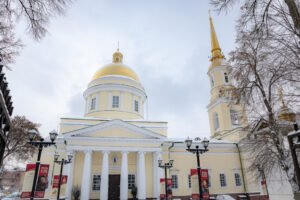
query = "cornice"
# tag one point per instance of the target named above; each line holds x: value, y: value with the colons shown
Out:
x: 88, y: 125
x: 114, y: 123
x: 113, y: 149
x: 218, y: 101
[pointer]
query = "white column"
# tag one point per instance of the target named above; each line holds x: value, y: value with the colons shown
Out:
x: 109, y: 100
x: 86, y: 175
x: 124, y: 177
x: 137, y: 169
x: 157, y: 172
x: 97, y: 100
x: 70, y: 170
x: 104, y: 176
x: 141, y: 188
x: 121, y: 100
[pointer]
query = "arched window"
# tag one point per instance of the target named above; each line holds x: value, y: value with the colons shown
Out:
x: 212, y: 81
x: 216, y: 121
x: 235, y: 118
x: 226, y: 78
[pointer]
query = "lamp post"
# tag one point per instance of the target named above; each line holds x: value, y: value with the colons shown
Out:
x: 166, y: 166
x: 40, y: 144
x: 198, y: 151
x: 61, y: 163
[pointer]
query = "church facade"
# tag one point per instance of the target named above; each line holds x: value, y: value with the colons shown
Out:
x: 114, y: 147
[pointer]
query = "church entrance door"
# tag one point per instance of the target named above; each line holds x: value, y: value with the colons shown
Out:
x: 114, y: 187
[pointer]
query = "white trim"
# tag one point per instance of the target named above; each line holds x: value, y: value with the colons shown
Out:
x: 212, y: 153
x: 224, y: 65
x: 217, y: 102
x: 97, y: 101
x: 114, y: 123
x: 113, y: 149
x: 86, y: 124
x: 115, y: 77
x: 102, y: 119
x: 109, y: 100
x: 119, y: 140
x: 114, y: 87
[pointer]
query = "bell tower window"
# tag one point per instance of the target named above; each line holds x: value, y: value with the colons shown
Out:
x: 235, y: 118
x: 115, y: 102
x: 216, y: 121
x: 212, y: 81
x: 226, y: 78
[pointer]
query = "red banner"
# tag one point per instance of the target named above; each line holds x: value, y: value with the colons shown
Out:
x: 195, y: 184
x: 42, y: 182
x: 169, y: 188
x: 56, y: 181
x: 63, y: 186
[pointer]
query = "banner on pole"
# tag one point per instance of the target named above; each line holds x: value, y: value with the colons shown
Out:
x: 264, y: 189
x: 163, y: 190
x: 55, y: 185
x: 42, y: 181
x: 195, y: 184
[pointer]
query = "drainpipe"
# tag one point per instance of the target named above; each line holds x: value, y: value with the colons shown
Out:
x: 243, y: 175
x: 170, y: 147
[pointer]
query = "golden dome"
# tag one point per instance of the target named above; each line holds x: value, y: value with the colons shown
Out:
x: 116, y: 68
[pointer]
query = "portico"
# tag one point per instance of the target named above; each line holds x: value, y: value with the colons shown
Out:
x: 115, y: 160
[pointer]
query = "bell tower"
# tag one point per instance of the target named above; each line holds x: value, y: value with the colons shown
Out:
x: 226, y: 119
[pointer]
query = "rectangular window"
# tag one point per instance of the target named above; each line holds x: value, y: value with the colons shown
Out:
x: 115, y: 102
x: 96, y: 182
x: 131, y: 180
x: 209, y: 180
x: 189, y: 181
x: 174, y: 181
x: 223, y: 180
x: 136, y: 106
x: 237, y: 178
x: 93, y: 104
x: 226, y: 77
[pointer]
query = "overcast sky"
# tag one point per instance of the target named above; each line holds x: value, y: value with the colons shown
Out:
x: 167, y: 43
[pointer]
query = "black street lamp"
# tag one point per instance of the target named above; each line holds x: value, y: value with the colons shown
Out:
x: 198, y: 151
x: 40, y: 144
x: 166, y: 166
x: 61, y: 163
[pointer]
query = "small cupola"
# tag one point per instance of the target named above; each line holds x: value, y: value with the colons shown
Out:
x: 117, y: 57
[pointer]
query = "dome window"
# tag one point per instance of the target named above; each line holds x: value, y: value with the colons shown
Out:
x: 136, y: 106
x: 93, y: 104
x: 115, y: 102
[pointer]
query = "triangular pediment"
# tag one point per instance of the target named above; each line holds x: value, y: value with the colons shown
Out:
x: 114, y: 129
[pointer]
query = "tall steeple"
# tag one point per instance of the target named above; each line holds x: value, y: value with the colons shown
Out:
x: 215, y: 47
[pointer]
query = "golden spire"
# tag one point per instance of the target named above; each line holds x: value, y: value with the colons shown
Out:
x: 285, y: 113
x: 281, y: 97
x: 215, y: 47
